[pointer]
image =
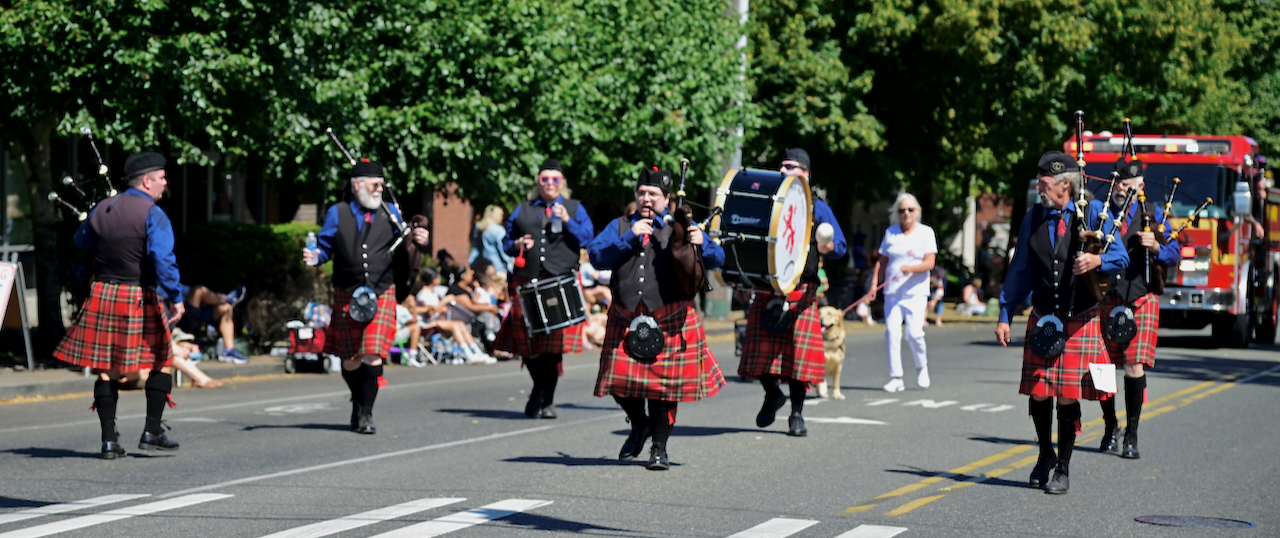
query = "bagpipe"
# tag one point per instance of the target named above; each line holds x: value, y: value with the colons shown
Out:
x: 103, y: 172
x: 364, y: 302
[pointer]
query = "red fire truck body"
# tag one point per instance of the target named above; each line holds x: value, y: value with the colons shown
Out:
x: 1227, y: 276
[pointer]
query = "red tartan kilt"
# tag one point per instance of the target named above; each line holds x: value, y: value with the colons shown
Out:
x: 120, y: 327
x: 796, y: 354
x: 514, y: 337
x: 1142, y: 349
x: 348, y: 338
x: 1066, y: 376
x: 685, y: 371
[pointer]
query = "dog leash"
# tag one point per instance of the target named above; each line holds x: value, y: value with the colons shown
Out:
x: 878, y: 288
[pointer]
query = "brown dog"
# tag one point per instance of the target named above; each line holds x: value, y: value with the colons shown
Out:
x: 832, y: 320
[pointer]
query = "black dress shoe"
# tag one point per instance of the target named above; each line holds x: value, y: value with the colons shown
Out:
x: 795, y: 426
x: 1130, y: 449
x: 365, y: 425
x: 1040, y: 473
x: 658, y: 459
x: 533, y: 408
x: 768, y: 411
x: 1110, y: 441
x: 548, y: 412
x: 634, y: 445
x: 1060, y: 483
x: 152, y: 441
x: 111, y: 450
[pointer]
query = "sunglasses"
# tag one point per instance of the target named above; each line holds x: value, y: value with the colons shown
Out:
x: 548, y: 180
x: 902, y: 210
x: 792, y: 167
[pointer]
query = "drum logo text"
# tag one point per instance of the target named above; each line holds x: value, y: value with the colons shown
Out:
x: 739, y: 219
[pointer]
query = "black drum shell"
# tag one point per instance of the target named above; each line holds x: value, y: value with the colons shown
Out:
x: 553, y: 303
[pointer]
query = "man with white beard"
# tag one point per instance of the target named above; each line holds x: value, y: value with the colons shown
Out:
x: 357, y: 235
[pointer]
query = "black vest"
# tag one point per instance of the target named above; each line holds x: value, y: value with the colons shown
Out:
x: 648, y: 273
x: 1130, y: 285
x: 1049, y: 264
x: 553, y: 253
x: 120, y: 223
x: 363, y: 261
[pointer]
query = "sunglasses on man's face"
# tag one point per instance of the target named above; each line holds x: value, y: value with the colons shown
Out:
x: 548, y: 180
x: 792, y: 167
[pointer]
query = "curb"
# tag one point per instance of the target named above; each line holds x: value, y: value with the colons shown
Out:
x: 77, y: 383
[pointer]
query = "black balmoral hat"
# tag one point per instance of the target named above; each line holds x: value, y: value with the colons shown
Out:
x: 551, y: 164
x: 367, y: 168
x: 1056, y: 162
x: 141, y: 163
x: 654, y: 177
x: 798, y: 155
x: 1131, y: 169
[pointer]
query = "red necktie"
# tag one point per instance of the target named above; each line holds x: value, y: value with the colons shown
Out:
x: 1062, y: 227
x: 368, y: 217
x: 644, y: 239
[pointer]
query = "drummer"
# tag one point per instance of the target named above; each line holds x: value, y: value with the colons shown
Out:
x: 544, y: 235
x: 791, y: 352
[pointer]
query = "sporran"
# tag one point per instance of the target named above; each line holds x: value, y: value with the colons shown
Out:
x: 644, y: 339
x: 1048, y: 339
x: 364, y: 304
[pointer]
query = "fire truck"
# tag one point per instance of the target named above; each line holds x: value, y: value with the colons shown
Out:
x: 1228, y: 275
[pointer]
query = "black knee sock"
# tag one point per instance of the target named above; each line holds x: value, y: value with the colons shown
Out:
x: 158, y: 386
x: 634, y: 407
x: 1068, y: 415
x: 798, y: 389
x: 1109, y: 412
x: 369, y: 386
x: 1135, y: 391
x: 1042, y: 415
x: 550, y: 376
x: 105, y: 396
x: 770, y: 383
x: 662, y: 418
x: 354, y: 382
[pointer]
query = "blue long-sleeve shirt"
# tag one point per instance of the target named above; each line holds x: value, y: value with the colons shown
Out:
x: 159, y: 246
x: 488, y: 243
x: 579, y: 226
x: 328, y: 231
x: 610, y: 247
x: 822, y: 213
x: 1017, y: 282
x: 1169, y: 254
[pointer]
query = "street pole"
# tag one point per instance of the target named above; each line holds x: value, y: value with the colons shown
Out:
x: 720, y: 300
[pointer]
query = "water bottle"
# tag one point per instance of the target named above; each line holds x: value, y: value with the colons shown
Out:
x: 311, y: 241
x: 556, y: 225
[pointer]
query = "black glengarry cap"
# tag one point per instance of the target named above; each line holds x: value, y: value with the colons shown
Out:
x: 1056, y: 162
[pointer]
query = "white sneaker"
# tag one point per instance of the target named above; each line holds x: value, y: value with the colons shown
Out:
x: 922, y: 378
x: 895, y: 385
x: 412, y: 360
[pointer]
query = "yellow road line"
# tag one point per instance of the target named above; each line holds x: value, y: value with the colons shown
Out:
x: 914, y: 504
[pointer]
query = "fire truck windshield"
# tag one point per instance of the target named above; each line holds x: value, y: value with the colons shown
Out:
x: 1198, y: 182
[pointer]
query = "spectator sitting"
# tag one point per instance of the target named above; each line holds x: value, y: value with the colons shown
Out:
x: 183, y: 346
x: 424, y: 302
x: 408, y: 331
x: 939, y: 283
x: 595, y: 283
x: 971, y: 303
x: 449, y: 268
x: 475, y: 299
x: 214, y: 309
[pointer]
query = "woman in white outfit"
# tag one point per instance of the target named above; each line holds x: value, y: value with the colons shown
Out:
x: 908, y: 250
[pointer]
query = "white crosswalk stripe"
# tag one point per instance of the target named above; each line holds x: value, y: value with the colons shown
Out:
x: 873, y: 531
x: 334, y: 526
x: 777, y: 527
x: 113, y: 515
x: 462, y: 520
x: 66, y: 507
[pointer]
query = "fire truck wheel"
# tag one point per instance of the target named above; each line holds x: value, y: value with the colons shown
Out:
x: 1232, y: 331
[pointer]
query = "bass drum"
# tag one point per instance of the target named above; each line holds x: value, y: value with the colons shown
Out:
x: 765, y: 225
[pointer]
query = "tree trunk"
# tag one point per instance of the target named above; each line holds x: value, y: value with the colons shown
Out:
x: 45, y: 218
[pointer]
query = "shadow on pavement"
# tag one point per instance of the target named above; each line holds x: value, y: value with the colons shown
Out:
x: 10, y: 502
x: 588, y: 407
x: 962, y: 478
x: 1005, y: 441
x: 312, y: 426
x: 489, y: 413
x: 51, y: 453
x: 1213, y: 369
x: 572, y: 461
x: 704, y: 431
x: 1014, y: 343
x: 544, y: 523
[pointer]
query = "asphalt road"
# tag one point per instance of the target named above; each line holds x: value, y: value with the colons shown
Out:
x: 455, y: 455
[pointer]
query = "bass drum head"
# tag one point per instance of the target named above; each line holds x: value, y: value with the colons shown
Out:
x: 791, y: 229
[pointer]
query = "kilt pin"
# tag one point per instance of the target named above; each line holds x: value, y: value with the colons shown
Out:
x: 514, y: 337
x: 1067, y: 375
x: 685, y: 370
x: 1142, y: 349
x: 795, y: 354
x: 120, y: 327
x: 348, y: 338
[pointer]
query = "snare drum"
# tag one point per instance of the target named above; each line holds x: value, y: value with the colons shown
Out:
x: 552, y: 303
x: 765, y: 226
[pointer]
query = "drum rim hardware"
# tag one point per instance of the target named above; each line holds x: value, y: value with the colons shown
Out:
x: 546, y: 284
x: 724, y: 192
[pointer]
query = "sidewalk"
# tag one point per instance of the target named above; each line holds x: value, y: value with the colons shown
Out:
x: 56, y: 382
